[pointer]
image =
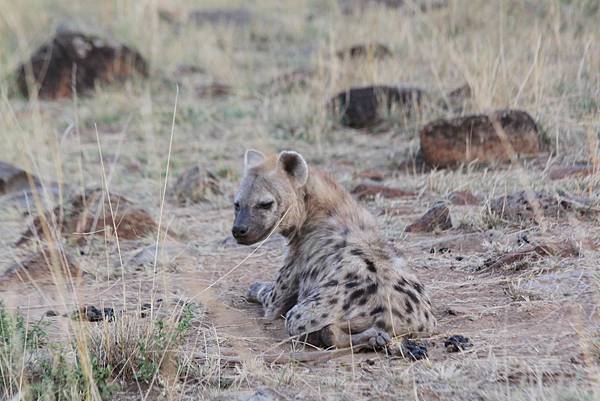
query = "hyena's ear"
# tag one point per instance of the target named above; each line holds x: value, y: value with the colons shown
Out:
x: 294, y: 166
x: 252, y: 158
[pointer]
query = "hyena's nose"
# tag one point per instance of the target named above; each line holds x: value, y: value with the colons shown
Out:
x: 239, y: 230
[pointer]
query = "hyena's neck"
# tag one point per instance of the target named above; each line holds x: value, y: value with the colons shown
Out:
x: 323, y: 205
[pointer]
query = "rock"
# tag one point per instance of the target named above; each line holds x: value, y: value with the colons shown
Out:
x: 457, y: 343
x: 90, y: 213
x: 42, y: 266
x: 266, y: 394
x: 93, y: 314
x: 13, y: 179
x: 371, y: 174
x: 25, y: 200
x: 533, y: 251
x: 196, y: 185
x: 298, y: 78
x: 451, y: 142
x: 577, y: 170
x: 529, y: 206
x: 371, y: 105
x: 375, y: 51
x: 220, y: 16
x: 436, y: 218
x: 410, y: 349
x: 215, y: 89
x: 461, y: 198
x: 171, y: 255
x: 457, y: 99
x: 83, y: 59
x: 189, y: 69
x: 363, y: 191
x: 422, y: 5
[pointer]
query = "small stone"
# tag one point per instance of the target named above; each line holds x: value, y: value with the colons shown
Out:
x: 436, y: 218
x: 234, y: 17
x: 92, y: 314
x: 298, y: 78
x: 13, y: 179
x: 363, y: 191
x: 528, y: 206
x: 376, y: 51
x: 214, y: 89
x: 457, y: 99
x: 372, y: 174
x: 462, y: 198
x: 412, y: 350
x: 457, y: 343
x: 577, y: 170
x: 266, y: 394
x: 196, y: 185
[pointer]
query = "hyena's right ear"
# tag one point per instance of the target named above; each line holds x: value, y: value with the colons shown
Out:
x: 252, y: 158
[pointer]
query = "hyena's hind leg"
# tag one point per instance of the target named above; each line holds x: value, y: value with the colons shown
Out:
x: 318, y: 325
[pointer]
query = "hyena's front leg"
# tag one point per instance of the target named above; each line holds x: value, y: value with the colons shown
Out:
x: 257, y: 291
x: 278, y: 297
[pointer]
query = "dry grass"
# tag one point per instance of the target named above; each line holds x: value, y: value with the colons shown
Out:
x: 534, y: 325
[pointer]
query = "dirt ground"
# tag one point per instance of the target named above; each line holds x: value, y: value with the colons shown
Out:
x: 532, y: 318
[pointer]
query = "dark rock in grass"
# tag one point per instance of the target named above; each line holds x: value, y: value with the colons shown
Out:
x: 576, y: 170
x: 13, y: 179
x: 496, y: 137
x: 349, y: 6
x: 435, y: 219
x: 88, y: 214
x: 298, y: 78
x: 410, y: 349
x: 213, y: 89
x: 93, y: 314
x: 457, y: 343
x: 458, y: 99
x: 372, y: 174
x: 464, y: 197
x: 74, y: 59
x: 266, y: 394
x: 221, y: 16
x: 375, y: 51
x: 369, y: 106
x: 44, y: 266
x: 196, y: 185
x: 363, y: 191
x: 527, y: 206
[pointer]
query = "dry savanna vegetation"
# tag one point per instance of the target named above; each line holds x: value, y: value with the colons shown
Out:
x: 470, y: 129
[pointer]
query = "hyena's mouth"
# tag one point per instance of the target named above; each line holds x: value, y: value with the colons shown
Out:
x: 253, y: 239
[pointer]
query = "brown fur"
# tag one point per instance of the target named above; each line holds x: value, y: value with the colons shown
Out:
x: 340, y: 282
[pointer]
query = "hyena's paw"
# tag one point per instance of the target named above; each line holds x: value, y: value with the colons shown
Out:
x: 255, y: 290
x: 379, y: 340
x: 374, y: 337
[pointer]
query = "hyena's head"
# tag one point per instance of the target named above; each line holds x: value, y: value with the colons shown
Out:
x: 270, y: 194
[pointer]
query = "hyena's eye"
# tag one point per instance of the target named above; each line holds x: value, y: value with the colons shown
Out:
x: 236, y: 205
x: 265, y: 205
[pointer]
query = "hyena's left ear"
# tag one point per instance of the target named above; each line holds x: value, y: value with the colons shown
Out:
x: 294, y: 166
x: 252, y: 158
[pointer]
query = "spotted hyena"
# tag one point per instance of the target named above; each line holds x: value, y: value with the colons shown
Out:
x: 340, y: 283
